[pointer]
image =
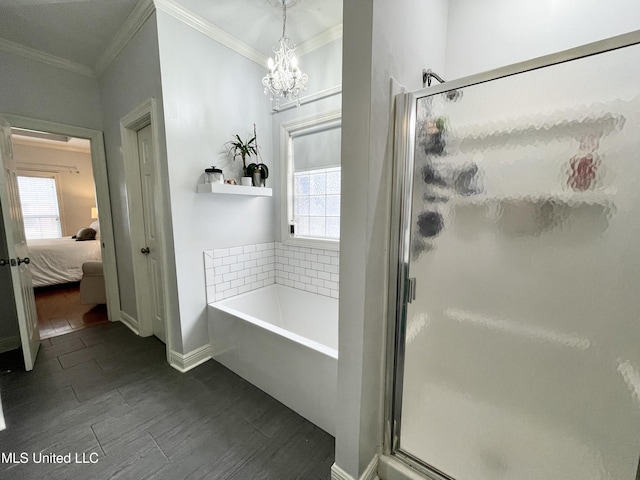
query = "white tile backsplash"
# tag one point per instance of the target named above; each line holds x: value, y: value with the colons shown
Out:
x: 309, y: 269
x: 235, y: 270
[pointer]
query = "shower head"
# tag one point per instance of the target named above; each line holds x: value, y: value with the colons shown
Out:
x: 451, y: 95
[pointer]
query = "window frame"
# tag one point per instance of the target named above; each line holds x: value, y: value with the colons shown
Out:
x: 42, y: 174
x: 288, y: 131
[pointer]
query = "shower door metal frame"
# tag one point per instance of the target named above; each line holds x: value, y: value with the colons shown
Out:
x: 405, y: 123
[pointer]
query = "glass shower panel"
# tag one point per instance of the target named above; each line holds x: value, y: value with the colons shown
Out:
x: 522, y: 345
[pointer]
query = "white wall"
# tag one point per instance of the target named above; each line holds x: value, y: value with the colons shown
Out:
x: 36, y: 90
x: 324, y: 67
x: 395, y: 39
x: 76, y: 190
x: 487, y: 34
x: 130, y: 80
x: 210, y: 93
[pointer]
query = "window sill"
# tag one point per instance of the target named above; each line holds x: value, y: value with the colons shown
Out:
x: 311, y: 242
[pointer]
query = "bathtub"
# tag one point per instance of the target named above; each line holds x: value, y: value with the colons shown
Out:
x: 285, y: 342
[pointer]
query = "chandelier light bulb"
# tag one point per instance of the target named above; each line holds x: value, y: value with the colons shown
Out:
x: 284, y: 79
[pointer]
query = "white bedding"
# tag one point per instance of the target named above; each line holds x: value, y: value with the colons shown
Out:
x: 59, y: 260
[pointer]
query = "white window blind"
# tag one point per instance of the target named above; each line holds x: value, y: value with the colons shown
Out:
x: 40, y: 210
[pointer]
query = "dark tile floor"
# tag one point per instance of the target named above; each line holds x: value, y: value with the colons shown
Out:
x: 110, y: 395
x: 60, y: 311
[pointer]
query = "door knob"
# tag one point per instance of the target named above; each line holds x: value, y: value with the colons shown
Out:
x: 145, y: 250
x: 24, y: 260
x: 3, y: 262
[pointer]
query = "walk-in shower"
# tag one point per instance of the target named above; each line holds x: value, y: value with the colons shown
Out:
x: 516, y: 272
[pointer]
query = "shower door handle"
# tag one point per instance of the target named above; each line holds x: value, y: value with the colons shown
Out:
x: 411, y: 289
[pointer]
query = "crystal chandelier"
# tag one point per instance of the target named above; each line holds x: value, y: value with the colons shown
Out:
x: 284, y: 79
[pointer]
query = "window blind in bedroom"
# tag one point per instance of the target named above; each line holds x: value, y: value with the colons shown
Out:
x: 40, y: 210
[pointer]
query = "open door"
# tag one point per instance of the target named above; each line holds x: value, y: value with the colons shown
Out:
x: 17, y: 250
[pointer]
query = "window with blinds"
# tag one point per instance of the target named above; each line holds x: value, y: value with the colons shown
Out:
x: 40, y: 209
x: 316, y: 182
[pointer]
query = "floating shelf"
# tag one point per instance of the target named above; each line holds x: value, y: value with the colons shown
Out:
x: 234, y: 190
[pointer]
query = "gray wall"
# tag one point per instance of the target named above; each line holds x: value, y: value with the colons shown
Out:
x: 130, y: 80
x: 36, y: 90
x: 398, y: 39
x: 210, y: 93
x: 479, y: 30
x: 383, y: 40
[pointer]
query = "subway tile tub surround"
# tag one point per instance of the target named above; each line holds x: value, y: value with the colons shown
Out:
x: 311, y: 269
x: 235, y: 270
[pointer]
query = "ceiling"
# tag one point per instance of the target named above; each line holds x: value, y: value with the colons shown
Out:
x: 81, y: 30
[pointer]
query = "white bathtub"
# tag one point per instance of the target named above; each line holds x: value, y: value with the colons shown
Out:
x: 284, y: 341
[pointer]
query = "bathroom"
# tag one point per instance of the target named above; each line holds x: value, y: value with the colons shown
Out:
x: 398, y: 48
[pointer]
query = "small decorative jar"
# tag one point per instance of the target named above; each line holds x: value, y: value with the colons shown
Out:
x: 213, y: 175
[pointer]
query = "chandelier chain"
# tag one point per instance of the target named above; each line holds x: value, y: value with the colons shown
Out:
x: 284, y: 17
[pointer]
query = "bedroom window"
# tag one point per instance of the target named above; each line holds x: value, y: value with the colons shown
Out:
x: 40, y: 208
x: 311, y: 212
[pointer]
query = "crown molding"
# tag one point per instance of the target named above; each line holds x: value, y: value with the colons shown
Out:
x: 179, y: 12
x: 139, y: 15
x: 42, y: 57
x: 328, y: 36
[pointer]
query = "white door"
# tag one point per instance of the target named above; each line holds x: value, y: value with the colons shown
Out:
x: 153, y: 292
x: 17, y: 250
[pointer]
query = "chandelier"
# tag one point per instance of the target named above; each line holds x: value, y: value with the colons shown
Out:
x: 284, y: 79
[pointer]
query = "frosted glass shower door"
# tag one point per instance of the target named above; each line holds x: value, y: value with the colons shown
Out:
x: 522, y: 345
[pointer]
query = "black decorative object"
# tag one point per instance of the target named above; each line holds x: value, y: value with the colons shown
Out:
x: 430, y: 224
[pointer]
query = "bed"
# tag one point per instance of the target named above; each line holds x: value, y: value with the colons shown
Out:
x: 59, y: 260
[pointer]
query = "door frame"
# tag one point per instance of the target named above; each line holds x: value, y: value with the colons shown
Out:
x: 103, y: 197
x: 143, y: 115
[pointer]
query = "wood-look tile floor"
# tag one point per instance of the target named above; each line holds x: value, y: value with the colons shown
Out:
x: 60, y: 311
x: 110, y: 395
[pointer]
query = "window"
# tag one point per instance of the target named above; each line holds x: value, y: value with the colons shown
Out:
x: 316, y: 203
x: 40, y: 210
x: 311, y: 193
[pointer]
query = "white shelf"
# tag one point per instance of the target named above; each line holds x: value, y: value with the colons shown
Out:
x: 234, y: 189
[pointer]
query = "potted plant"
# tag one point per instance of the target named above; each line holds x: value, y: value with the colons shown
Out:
x: 239, y: 148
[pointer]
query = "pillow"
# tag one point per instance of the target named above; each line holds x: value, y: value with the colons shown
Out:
x: 96, y: 227
x: 85, y: 234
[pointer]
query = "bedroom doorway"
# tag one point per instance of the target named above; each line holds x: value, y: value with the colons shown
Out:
x: 57, y: 194
x: 71, y: 201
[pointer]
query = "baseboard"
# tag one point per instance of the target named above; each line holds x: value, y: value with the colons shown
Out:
x: 184, y: 363
x: 9, y: 343
x: 130, y: 322
x: 370, y: 473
